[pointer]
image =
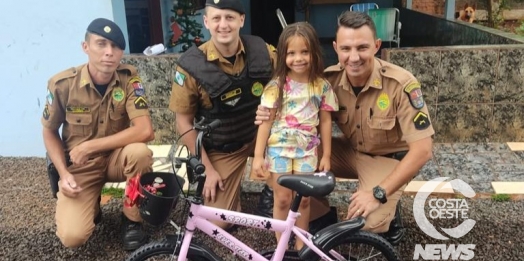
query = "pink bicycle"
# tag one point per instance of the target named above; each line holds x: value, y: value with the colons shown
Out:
x: 341, y: 241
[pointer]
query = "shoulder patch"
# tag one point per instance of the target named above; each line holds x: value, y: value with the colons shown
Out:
x: 136, y: 82
x: 415, y: 95
x: 141, y: 103
x: 127, y: 67
x: 71, y: 72
x: 421, y: 121
x: 180, y: 78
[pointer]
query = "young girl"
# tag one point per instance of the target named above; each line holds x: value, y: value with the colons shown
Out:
x: 299, y: 100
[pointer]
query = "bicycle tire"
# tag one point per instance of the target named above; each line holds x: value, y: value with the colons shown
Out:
x: 368, y: 238
x: 165, y: 247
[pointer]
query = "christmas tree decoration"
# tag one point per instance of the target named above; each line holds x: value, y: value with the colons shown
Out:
x: 185, y: 30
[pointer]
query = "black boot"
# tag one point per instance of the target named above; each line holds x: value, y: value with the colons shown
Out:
x: 265, y: 203
x: 396, y: 228
x: 324, y: 221
x: 98, y: 217
x: 133, y: 235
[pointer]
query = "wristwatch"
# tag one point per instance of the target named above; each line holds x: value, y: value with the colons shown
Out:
x: 380, y: 194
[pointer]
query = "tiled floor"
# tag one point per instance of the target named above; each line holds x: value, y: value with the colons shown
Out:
x: 486, y: 167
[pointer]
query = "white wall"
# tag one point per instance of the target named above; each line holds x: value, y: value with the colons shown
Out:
x: 37, y: 40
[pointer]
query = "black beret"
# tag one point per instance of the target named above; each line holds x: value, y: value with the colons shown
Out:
x: 109, y: 30
x: 234, y: 5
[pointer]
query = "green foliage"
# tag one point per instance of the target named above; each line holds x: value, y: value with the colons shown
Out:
x: 497, y: 15
x: 500, y: 197
x: 114, y: 192
x: 184, y: 15
x: 520, y: 30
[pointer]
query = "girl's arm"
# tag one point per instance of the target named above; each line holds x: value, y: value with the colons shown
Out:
x: 263, y: 134
x: 261, y: 142
x: 325, y: 137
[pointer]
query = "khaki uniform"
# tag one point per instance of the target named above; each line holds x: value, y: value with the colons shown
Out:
x: 187, y: 96
x: 388, y: 114
x: 74, y: 103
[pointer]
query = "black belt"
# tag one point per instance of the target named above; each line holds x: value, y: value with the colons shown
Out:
x: 226, y: 148
x: 396, y: 155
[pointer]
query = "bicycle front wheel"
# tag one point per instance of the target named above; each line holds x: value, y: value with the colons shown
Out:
x: 162, y: 251
x: 363, y: 245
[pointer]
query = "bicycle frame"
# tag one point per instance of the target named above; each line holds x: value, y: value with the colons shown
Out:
x: 200, y: 217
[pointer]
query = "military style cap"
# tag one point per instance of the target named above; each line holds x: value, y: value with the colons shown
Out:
x: 109, y: 30
x: 234, y: 5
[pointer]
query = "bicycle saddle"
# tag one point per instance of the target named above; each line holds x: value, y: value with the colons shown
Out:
x: 309, y: 185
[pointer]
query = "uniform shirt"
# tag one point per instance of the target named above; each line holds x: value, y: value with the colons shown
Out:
x: 74, y: 103
x: 295, y: 127
x: 387, y: 114
x: 187, y: 95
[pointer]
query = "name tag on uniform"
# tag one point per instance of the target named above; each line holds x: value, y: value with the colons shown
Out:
x: 77, y: 109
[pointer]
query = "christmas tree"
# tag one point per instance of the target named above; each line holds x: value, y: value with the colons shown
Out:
x: 186, y: 31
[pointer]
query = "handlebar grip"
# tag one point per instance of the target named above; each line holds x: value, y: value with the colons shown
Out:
x: 196, y: 165
x: 214, y: 124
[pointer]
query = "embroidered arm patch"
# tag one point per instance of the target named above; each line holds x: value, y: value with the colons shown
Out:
x: 421, y: 121
x: 140, y: 103
x: 415, y: 95
x: 180, y: 78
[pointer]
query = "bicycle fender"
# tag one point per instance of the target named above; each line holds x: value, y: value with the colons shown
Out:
x: 330, y: 236
x: 197, y: 249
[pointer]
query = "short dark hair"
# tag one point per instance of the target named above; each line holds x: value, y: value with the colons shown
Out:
x: 356, y: 20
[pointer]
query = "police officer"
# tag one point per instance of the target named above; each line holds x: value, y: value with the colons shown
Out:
x: 222, y: 79
x: 387, y: 129
x: 105, y: 126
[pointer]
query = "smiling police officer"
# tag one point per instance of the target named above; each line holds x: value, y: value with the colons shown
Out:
x: 222, y: 79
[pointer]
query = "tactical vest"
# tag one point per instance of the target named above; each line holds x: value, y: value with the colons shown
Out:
x: 234, y: 98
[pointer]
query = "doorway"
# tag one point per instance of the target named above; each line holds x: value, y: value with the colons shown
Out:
x: 264, y: 21
x: 144, y: 24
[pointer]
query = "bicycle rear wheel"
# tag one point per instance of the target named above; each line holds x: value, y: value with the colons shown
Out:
x: 363, y: 245
x: 162, y: 251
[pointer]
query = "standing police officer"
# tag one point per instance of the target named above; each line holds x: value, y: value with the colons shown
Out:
x: 385, y: 121
x: 222, y: 79
x: 105, y: 126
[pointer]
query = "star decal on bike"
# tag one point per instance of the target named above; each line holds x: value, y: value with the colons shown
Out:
x: 268, y: 225
x: 223, y: 217
x: 215, y: 232
x: 190, y: 214
x: 250, y: 257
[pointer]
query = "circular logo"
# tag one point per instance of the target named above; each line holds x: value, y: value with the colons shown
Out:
x: 420, y: 201
x: 257, y: 89
x: 107, y: 29
x: 383, y: 101
x: 118, y: 94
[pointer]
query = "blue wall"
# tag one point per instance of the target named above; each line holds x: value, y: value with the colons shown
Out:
x: 37, y: 40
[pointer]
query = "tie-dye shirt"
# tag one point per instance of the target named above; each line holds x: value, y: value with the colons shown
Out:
x: 294, y: 131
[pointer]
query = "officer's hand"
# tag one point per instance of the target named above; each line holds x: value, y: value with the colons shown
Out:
x: 362, y: 204
x: 262, y: 115
x: 80, y: 153
x: 68, y: 186
x: 213, y: 180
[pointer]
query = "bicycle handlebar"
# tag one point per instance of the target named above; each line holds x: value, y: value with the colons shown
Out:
x: 194, y: 166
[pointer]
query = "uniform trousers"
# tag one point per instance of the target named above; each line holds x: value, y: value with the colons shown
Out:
x: 75, y: 216
x: 231, y: 168
x: 370, y: 170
